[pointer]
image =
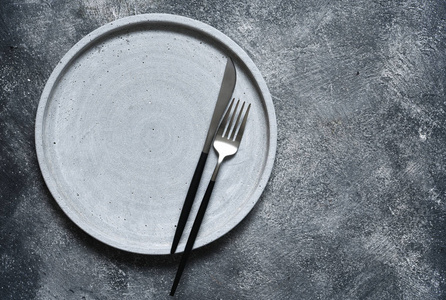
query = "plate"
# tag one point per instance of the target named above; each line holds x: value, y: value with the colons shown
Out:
x: 121, y: 123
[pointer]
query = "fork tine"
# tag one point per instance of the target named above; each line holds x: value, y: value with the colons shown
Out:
x: 237, y: 123
x: 224, y: 122
x: 231, y: 127
x: 242, y: 127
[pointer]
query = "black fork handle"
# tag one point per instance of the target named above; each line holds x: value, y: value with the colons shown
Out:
x: 193, y: 235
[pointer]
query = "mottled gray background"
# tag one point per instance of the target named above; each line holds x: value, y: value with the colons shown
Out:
x: 355, y: 207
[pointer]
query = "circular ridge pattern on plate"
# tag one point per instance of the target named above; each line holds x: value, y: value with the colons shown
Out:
x: 121, y: 123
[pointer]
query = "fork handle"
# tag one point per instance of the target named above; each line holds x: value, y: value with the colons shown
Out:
x: 193, y: 235
x: 190, y: 196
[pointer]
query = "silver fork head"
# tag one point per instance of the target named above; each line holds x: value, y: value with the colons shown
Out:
x: 231, y: 129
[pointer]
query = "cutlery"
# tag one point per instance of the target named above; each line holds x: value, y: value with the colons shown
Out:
x: 224, y: 96
x: 227, y: 142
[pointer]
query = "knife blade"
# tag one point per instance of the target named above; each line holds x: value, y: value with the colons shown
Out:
x: 224, y: 96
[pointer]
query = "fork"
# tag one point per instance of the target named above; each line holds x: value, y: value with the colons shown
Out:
x: 226, y: 143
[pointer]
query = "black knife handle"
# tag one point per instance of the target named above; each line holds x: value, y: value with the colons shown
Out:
x: 193, y: 235
x: 189, y: 201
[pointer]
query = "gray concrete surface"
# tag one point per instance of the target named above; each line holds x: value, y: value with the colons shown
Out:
x: 355, y: 207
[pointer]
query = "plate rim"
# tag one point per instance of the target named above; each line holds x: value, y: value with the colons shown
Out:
x: 84, y: 43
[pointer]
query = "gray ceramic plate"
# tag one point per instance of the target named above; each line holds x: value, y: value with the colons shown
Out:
x: 121, y: 123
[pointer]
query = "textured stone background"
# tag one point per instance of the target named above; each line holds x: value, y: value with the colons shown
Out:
x: 355, y: 207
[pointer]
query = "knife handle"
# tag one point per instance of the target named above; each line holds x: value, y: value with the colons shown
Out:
x: 193, y: 235
x: 189, y: 201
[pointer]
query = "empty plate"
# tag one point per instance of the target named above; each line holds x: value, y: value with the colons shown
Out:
x: 122, y: 121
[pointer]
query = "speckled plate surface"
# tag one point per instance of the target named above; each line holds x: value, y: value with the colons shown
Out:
x: 121, y: 123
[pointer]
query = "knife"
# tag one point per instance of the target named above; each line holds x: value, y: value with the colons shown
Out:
x: 225, y: 94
